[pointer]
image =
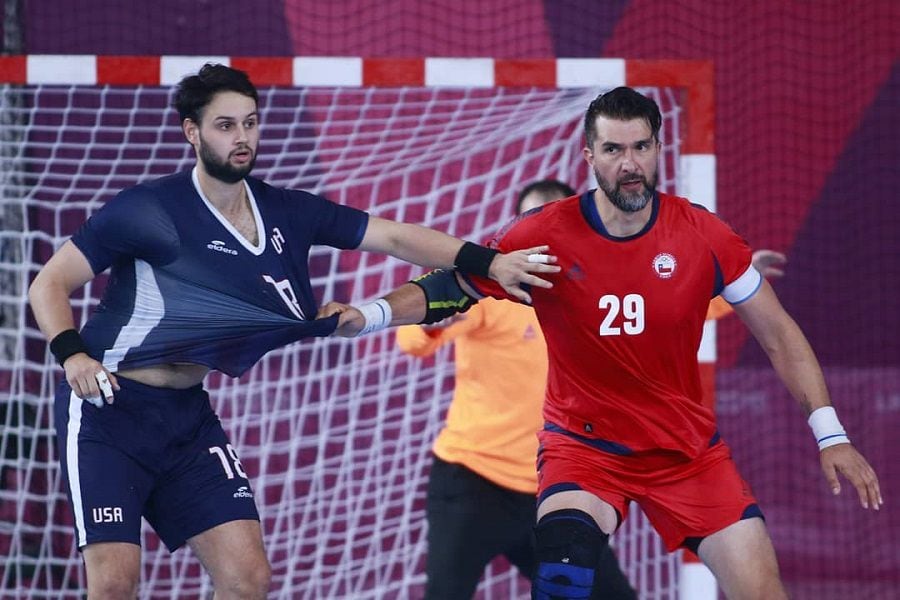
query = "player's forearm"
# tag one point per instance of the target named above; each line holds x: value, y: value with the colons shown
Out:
x: 408, y: 305
x: 403, y: 306
x: 786, y: 346
x: 49, y: 300
x: 797, y: 366
x: 433, y: 297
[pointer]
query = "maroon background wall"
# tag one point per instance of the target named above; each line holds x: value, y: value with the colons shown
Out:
x: 807, y: 99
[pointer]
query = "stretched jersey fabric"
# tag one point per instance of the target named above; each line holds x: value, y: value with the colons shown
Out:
x: 501, y: 374
x: 186, y: 287
x: 624, y: 319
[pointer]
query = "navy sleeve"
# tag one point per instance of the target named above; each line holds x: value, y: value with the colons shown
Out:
x: 131, y: 225
x: 332, y: 224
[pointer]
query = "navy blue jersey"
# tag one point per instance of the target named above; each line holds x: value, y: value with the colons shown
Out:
x: 186, y: 287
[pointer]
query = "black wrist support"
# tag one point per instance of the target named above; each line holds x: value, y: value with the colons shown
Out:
x: 474, y: 259
x: 66, y: 344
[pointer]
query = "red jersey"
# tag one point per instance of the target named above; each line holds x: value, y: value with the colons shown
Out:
x: 624, y: 319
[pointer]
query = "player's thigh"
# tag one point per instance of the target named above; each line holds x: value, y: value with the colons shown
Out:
x: 235, y: 558
x: 206, y: 486
x: 462, y: 504
x: 693, y: 500
x: 113, y: 569
x: 521, y: 550
x: 572, y: 475
x: 107, y: 487
x: 466, y: 529
x: 743, y: 560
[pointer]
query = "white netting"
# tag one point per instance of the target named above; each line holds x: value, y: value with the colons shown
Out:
x: 336, y: 434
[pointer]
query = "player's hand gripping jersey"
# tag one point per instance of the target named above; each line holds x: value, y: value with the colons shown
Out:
x: 185, y: 286
x: 624, y: 319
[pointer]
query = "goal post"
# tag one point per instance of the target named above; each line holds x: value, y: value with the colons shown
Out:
x: 336, y: 434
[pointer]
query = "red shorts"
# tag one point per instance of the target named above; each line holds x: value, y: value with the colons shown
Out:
x: 683, y: 498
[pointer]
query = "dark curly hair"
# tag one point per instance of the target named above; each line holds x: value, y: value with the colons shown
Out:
x: 624, y: 104
x: 195, y: 92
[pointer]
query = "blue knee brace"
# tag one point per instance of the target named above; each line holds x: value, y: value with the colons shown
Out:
x: 569, y: 546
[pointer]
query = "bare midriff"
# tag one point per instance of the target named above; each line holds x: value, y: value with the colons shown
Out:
x: 177, y: 376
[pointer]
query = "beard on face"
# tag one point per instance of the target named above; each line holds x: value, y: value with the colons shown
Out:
x: 222, y: 169
x: 627, y: 202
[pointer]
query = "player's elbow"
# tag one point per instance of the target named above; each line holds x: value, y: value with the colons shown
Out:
x: 45, y: 292
x: 38, y: 289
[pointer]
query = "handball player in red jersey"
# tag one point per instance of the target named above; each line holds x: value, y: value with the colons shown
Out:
x: 624, y: 416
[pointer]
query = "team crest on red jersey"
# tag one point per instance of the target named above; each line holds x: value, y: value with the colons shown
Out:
x: 664, y: 264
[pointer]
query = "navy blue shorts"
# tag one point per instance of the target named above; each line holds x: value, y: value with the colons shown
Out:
x: 155, y: 452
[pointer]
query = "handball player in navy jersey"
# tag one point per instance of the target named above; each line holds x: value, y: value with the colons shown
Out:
x: 208, y: 271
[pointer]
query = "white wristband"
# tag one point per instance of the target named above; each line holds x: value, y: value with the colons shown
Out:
x: 826, y: 427
x: 378, y: 316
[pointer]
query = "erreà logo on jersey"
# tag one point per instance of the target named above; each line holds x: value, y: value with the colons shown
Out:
x: 664, y: 264
x: 219, y: 246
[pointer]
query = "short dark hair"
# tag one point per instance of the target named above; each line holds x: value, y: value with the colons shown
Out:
x: 622, y: 104
x: 195, y: 92
x: 549, y: 189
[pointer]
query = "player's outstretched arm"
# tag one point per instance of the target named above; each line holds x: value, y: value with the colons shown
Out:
x: 799, y: 369
x: 66, y: 271
x: 404, y: 306
x: 430, y: 298
x: 429, y: 248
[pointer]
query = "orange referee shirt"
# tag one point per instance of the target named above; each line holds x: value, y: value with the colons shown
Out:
x: 501, y: 373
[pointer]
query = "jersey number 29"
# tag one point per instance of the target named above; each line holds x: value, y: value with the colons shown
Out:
x: 632, y: 308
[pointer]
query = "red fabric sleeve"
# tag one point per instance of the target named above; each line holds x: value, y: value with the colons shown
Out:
x: 732, y: 252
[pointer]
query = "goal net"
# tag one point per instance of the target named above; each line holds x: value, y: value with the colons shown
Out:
x: 336, y: 434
